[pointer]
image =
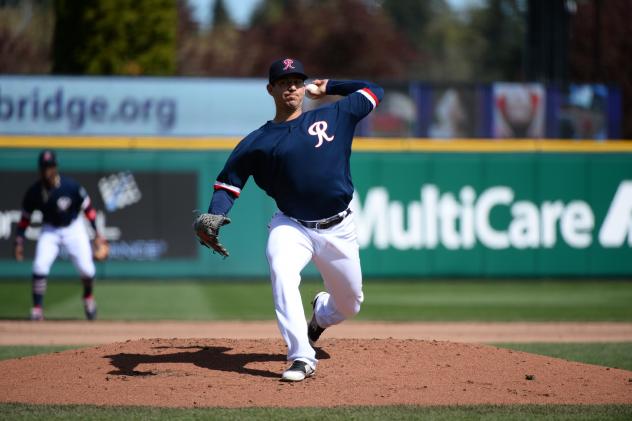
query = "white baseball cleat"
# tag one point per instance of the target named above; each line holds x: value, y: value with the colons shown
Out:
x: 299, y: 370
x: 90, y: 308
x: 37, y: 314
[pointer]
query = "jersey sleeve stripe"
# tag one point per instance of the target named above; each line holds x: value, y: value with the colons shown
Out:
x: 91, y: 214
x: 25, y: 221
x: 234, y: 190
x: 370, y: 96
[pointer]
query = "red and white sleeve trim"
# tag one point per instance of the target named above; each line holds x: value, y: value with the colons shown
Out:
x: 370, y: 96
x: 234, y: 190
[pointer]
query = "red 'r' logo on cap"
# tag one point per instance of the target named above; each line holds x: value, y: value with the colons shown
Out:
x: 288, y: 63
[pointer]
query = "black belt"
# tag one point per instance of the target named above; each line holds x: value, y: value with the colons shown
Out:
x: 327, y: 222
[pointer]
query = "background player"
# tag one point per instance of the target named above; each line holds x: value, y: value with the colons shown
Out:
x: 301, y: 160
x: 60, y: 199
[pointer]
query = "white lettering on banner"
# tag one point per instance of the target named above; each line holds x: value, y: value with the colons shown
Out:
x: 490, y: 198
x: 12, y: 216
x: 577, y: 224
x: 523, y: 229
x: 468, y: 196
x: 461, y: 221
x: 551, y: 212
x: 405, y: 238
x: 449, y: 210
x: 7, y: 218
x: 430, y: 199
x: 618, y: 222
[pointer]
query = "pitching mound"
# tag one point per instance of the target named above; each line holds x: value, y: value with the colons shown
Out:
x: 241, y: 373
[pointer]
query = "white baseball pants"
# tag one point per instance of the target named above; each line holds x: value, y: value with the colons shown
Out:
x: 335, y: 253
x: 74, y: 239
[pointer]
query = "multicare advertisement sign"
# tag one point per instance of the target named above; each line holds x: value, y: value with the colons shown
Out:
x: 495, y: 214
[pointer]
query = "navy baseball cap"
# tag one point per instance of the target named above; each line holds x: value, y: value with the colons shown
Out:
x: 47, y: 158
x: 286, y: 66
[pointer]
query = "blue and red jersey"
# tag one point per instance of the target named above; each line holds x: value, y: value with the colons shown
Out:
x: 60, y: 204
x: 303, y: 164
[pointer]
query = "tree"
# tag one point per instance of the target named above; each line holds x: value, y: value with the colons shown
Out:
x: 269, y: 11
x: 220, y: 45
x: 110, y: 37
x: 332, y: 37
x: 188, y: 61
x: 220, y: 15
x: 25, y: 33
x: 501, y: 25
x: 412, y: 16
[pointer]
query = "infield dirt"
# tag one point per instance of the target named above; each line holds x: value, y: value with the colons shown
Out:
x: 245, y: 373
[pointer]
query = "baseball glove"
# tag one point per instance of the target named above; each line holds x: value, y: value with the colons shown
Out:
x: 100, y: 249
x: 206, y: 227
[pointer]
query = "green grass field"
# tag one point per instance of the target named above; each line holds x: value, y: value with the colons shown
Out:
x: 482, y: 412
x: 446, y: 300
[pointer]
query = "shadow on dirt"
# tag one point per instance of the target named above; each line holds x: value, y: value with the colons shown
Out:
x: 211, y: 358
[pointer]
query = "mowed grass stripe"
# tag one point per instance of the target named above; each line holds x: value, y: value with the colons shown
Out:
x: 523, y: 300
x: 155, y: 300
x: 441, y: 300
x: 18, y: 351
x: 482, y: 412
x: 614, y: 355
x: 116, y: 300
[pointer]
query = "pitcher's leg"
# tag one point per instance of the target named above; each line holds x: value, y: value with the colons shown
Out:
x: 288, y: 251
x: 339, y: 265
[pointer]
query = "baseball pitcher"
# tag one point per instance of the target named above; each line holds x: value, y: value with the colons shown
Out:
x: 301, y: 160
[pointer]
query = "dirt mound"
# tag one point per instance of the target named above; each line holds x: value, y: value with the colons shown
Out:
x: 242, y: 373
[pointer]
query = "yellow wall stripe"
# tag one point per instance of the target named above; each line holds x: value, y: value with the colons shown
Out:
x: 359, y: 144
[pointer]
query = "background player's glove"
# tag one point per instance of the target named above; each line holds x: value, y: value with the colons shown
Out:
x: 100, y: 248
x: 206, y: 227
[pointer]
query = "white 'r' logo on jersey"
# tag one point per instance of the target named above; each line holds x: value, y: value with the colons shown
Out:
x: 318, y: 129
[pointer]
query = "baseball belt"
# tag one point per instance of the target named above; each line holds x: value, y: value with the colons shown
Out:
x: 327, y: 222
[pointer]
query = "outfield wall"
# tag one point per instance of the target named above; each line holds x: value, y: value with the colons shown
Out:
x: 423, y: 208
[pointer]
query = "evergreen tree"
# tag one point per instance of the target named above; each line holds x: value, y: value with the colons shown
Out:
x: 501, y: 26
x: 271, y: 11
x: 220, y: 15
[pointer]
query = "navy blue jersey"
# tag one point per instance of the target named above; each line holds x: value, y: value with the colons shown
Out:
x: 60, y: 205
x: 303, y: 164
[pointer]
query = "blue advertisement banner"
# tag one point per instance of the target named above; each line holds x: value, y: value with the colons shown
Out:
x: 202, y: 107
x: 132, y: 106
